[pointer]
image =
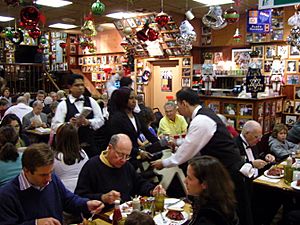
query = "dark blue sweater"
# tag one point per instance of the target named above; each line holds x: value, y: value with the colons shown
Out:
x: 24, y: 207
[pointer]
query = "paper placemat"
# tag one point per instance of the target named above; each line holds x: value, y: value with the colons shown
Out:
x: 264, y: 178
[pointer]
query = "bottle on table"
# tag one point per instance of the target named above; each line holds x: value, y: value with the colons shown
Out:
x: 288, y: 171
x: 159, y: 201
x: 117, y: 215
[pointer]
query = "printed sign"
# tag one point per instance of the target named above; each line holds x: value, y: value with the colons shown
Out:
x: 259, y: 21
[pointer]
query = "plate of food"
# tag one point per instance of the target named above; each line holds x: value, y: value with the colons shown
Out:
x: 296, y: 185
x: 171, y: 216
x: 274, y: 172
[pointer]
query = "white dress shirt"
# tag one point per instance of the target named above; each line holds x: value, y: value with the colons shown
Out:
x: 20, y: 110
x: 61, y: 113
x: 252, y: 171
x: 201, y: 130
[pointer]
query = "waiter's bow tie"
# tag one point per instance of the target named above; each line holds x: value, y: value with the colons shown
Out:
x: 79, y: 99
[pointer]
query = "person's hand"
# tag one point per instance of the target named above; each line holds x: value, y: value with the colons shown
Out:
x: 259, y: 163
x: 95, y: 206
x: 110, y: 197
x: 159, y: 190
x: 157, y: 164
x: 47, y: 221
x: 145, y: 155
x: 270, y: 158
x: 44, y: 125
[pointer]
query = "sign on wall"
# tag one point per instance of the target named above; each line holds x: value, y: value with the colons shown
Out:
x: 166, y: 76
x: 259, y: 21
x: 268, y: 4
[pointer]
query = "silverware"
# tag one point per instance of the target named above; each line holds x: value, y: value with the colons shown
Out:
x: 173, y: 203
x: 91, y: 218
x: 163, y: 218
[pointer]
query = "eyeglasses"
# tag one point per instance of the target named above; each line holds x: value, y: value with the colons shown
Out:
x: 121, y: 155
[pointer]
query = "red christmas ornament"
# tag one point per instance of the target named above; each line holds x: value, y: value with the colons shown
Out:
x: 141, y: 35
x: 62, y: 45
x: 34, y: 32
x: 30, y: 17
x: 162, y: 19
x: 152, y: 35
x: 231, y: 15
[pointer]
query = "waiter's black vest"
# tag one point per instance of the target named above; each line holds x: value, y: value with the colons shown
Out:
x: 85, y: 133
x: 221, y: 145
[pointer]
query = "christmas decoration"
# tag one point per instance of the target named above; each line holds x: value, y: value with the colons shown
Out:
x: 8, y: 33
x: 231, y: 15
x: 162, y: 19
x: 187, y: 36
x: 30, y: 17
x: 294, y: 37
x: 17, y: 36
x: 237, y: 36
x: 98, y: 8
x: 127, y: 30
x: 208, y: 74
x: 152, y: 34
x: 34, y: 32
x: 88, y: 28
x: 63, y: 45
x: 276, y: 78
x: 214, y: 18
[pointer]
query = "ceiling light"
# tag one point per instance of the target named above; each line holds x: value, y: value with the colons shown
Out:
x: 6, y: 18
x: 62, y: 26
x: 120, y: 15
x: 53, y: 3
x: 214, y: 2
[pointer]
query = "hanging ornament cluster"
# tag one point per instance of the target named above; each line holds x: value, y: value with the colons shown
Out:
x: 214, y: 19
x: 187, y: 36
x: 147, y: 33
x: 15, y: 35
x: 30, y: 17
x: 98, y: 8
x: 87, y: 43
x: 294, y: 37
x: 231, y: 15
x: 237, y: 35
x: 88, y: 29
x: 162, y: 19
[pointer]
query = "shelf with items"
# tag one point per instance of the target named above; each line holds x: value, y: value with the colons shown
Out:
x: 266, y: 110
x: 291, y: 106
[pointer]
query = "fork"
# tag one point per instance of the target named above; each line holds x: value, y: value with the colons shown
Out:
x: 163, y: 218
x: 91, y: 218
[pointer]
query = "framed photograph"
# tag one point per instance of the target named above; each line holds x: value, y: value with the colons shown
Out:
x: 140, y: 88
x: 185, y: 82
x: 249, y: 37
x: 245, y: 109
x: 230, y: 109
x: 80, y: 61
x: 186, y: 72
x: 72, y: 60
x: 73, y: 49
x: 214, y: 106
x: 273, y: 109
x: 241, y: 57
x: 297, y: 107
x: 261, y: 109
x: 267, y: 126
x: 218, y: 56
x: 118, y: 24
x: 297, y: 93
x: 288, y: 106
x: 268, y: 66
x: 260, y: 49
x: 131, y: 22
x: 278, y: 120
x: 277, y: 35
x: 267, y: 108
x: 137, y: 21
x: 290, y: 120
x: 291, y: 66
x: 206, y: 30
x: 292, y: 79
x: 270, y: 51
x: 283, y: 51
x: 294, y: 52
x: 279, y: 106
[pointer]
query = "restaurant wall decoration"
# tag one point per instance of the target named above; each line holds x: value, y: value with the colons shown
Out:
x: 166, y: 79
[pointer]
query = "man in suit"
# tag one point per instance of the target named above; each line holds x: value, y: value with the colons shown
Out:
x: 35, y: 118
x: 251, y: 134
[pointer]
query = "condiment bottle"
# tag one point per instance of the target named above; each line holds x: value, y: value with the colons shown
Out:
x: 159, y: 201
x: 117, y: 215
x: 136, y: 205
x: 288, y: 171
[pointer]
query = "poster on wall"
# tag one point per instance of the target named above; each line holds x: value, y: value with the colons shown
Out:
x: 166, y: 76
x: 259, y: 21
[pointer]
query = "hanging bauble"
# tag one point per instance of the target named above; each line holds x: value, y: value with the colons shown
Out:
x: 152, y: 34
x: 43, y: 40
x: 141, y: 35
x: 9, y: 34
x: 127, y: 30
x: 30, y: 17
x: 88, y: 27
x: 98, y: 8
x: 63, y: 45
x: 237, y: 36
x: 12, y: 2
x: 231, y: 15
x: 162, y: 19
x: 34, y: 32
x: 17, y: 37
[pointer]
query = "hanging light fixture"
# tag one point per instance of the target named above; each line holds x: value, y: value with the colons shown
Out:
x: 188, y: 14
x: 162, y: 18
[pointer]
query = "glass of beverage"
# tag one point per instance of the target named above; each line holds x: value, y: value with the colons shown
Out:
x: 159, y: 202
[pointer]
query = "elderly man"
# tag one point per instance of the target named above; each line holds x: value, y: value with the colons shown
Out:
x: 172, y: 123
x: 35, y: 118
x: 110, y: 176
x: 20, y: 109
x: 38, y: 197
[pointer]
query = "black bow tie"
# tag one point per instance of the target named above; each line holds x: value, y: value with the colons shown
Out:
x: 79, y: 99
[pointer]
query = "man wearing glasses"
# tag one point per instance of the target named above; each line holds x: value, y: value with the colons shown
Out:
x: 109, y: 176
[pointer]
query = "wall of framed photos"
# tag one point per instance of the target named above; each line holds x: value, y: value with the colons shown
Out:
x: 291, y: 105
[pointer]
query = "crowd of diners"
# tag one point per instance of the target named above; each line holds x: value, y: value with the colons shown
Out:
x: 97, y: 147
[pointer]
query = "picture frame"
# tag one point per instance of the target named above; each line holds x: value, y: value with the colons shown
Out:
x: 270, y: 51
x: 131, y: 22
x: 277, y: 35
x: 288, y: 106
x: 297, y: 107
x: 206, y: 30
x: 294, y: 52
x: 292, y: 79
x: 214, y: 106
x: 279, y: 106
x: 73, y: 49
x: 297, y: 93
x: 185, y: 82
x: 118, y: 24
x: 72, y: 60
x: 291, y: 66
x: 140, y: 88
x: 260, y: 109
x: 245, y: 109
x: 273, y: 109
x: 260, y: 49
x: 241, y: 57
x: 278, y: 120
x: 218, y: 56
x: 290, y: 120
x: 268, y: 66
x: 230, y: 109
x: 283, y: 51
x: 267, y: 125
x: 80, y: 61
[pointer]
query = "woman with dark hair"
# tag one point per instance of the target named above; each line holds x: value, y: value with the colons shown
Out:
x: 69, y: 157
x: 124, y: 120
x: 15, y: 122
x: 10, y: 159
x: 213, y: 191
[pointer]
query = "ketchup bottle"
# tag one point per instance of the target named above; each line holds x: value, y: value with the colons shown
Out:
x: 117, y: 216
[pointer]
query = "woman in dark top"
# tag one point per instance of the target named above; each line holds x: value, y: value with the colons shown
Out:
x: 124, y: 120
x: 213, y: 191
x: 15, y: 122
